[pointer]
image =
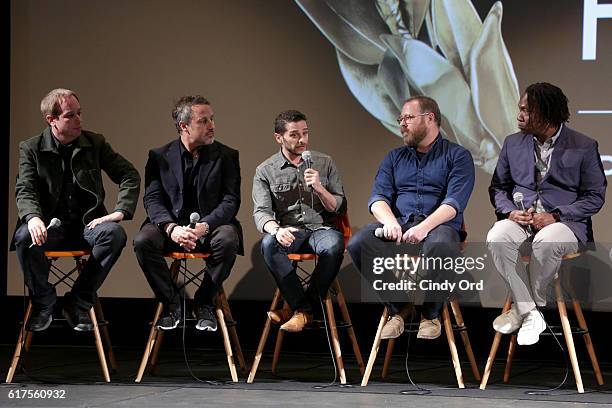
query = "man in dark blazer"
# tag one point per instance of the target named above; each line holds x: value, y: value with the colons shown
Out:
x: 60, y: 176
x: 192, y: 174
x: 559, y: 175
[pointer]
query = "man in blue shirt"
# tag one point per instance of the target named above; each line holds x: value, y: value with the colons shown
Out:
x: 419, y: 195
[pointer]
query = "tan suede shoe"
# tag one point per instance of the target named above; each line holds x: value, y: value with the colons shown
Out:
x: 298, y: 321
x: 393, y: 328
x: 429, y: 329
x: 280, y: 316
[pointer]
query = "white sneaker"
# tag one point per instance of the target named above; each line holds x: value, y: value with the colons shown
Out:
x: 508, y: 322
x: 533, y: 325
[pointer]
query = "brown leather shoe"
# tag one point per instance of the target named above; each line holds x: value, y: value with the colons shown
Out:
x: 298, y: 321
x: 280, y: 316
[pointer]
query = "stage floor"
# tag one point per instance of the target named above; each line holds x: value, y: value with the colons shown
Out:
x: 305, y: 380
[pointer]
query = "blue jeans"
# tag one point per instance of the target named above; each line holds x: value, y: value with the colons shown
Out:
x: 328, y: 245
x: 431, y: 248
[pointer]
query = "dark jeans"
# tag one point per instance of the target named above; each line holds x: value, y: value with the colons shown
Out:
x: 431, y: 247
x: 328, y: 245
x: 106, y: 241
x: 151, y: 244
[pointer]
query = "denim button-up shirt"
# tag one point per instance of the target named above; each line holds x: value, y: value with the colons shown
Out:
x: 413, y: 187
x: 280, y: 193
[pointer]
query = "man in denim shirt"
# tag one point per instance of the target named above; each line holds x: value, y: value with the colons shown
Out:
x: 419, y: 195
x: 294, y: 203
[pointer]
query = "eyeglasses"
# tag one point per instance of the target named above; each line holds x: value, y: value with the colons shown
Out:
x: 410, y: 118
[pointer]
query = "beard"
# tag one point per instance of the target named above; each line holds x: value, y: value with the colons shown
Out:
x: 414, y: 137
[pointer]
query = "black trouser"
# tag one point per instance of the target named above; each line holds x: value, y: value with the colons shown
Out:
x: 329, y: 247
x: 106, y: 241
x: 151, y: 244
x: 434, y: 245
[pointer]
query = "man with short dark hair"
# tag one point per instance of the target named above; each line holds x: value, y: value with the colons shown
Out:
x: 419, y: 195
x: 295, y: 201
x: 560, y: 176
x: 60, y: 176
x: 192, y: 174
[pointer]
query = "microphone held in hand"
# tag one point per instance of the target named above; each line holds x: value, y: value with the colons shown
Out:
x: 379, y: 233
x: 193, y: 219
x: 54, y: 223
x: 307, y: 157
x: 518, y: 201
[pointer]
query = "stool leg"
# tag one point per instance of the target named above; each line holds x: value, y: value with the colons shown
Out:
x: 487, y: 371
x: 99, y: 347
x: 232, y: 330
x: 567, y: 332
x: 280, y: 335
x: 388, y: 354
x: 331, y: 320
x: 105, y: 335
x: 465, y: 338
x: 226, y: 342
x: 511, y: 350
x: 150, y: 343
x: 587, y: 340
x: 375, y: 346
x: 450, y: 336
x: 347, y: 318
x: 19, y: 345
x: 263, y: 339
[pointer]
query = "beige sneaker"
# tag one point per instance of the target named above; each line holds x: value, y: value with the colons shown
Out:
x: 298, y: 321
x: 429, y: 329
x: 279, y: 316
x: 393, y: 328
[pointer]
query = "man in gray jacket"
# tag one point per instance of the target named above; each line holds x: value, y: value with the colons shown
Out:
x: 60, y: 177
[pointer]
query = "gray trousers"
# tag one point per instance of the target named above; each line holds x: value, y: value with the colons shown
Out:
x: 549, y: 246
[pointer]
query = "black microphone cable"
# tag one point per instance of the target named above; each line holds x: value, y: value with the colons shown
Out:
x: 313, y: 281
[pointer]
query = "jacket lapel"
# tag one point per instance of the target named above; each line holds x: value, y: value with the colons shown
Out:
x: 174, y: 159
x: 557, y: 153
x: 210, y: 156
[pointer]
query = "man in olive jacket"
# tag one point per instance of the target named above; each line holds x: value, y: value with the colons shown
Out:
x: 60, y: 177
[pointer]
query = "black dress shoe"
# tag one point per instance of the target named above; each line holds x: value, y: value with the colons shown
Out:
x: 77, y: 318
x: 40, y: 319
x: 206, y: 318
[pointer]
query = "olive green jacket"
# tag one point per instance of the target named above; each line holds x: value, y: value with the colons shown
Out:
x: 40, y: 176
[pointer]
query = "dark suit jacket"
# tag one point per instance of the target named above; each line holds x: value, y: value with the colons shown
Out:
x: 574, y: 186
x: 218, y: 186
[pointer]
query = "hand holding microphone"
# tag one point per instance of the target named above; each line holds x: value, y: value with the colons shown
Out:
x: 38, y: 231
x: 311, y: 176
x: 521, y: 216
x: 390, y: 231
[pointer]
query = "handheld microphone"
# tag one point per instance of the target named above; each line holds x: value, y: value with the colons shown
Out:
x: 378, y: 232
x: 307, y: 157
x: 518, y: 201
x: 193, y: 219
x: 54, y: 223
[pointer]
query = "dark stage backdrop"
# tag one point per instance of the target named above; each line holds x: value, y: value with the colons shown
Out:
x: 346, y: 64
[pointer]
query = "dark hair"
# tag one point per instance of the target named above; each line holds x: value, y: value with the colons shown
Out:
x: 287, y: 116
x: 427, y: 104
x: 182, y: 109
x: 547, y: 104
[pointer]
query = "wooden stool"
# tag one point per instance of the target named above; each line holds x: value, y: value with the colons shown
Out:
x: 95, y: 314
x: 335, y: 289
x: 450, y: 337
x: 567, y: 333
x: 228, y: 327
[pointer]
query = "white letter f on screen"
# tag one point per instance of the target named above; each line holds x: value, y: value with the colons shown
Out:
x: 592, y: 12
